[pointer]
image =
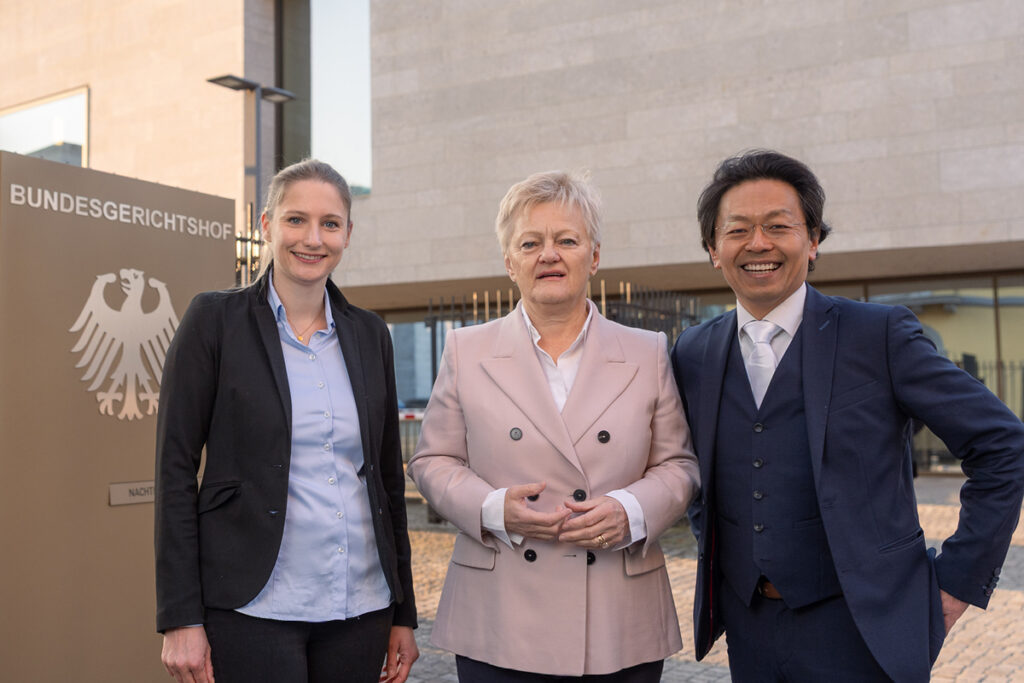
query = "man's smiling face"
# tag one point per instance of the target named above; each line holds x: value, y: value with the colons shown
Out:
x: 763, y: 271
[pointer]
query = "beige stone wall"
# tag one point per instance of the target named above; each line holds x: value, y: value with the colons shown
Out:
x: 911, y: 111
x: 152, y: 115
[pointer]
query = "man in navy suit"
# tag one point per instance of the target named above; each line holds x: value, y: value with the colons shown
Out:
x: 811, y: 556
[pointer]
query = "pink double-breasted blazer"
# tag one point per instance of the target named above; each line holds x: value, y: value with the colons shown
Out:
x: 551, y: 607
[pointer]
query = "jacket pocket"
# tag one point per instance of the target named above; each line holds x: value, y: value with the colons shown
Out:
x: 904, y: 542
x: 807, y: 523
x: 855, y: 395
x: 215, y: 494
x: 637, y: 563
x: 469, y: 553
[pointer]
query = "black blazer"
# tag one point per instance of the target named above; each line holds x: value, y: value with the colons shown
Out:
x: 225, y: 387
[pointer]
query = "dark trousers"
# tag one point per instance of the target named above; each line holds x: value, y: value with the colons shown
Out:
x: 247, y: 649
x: 770, y: 643
x: 473, y: 671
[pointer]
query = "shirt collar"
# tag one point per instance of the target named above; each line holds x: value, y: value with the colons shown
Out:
x: 277, y: 306
x: 788, y: 315
x: 535, y: 335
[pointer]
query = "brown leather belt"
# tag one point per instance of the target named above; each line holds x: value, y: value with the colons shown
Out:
x: 767, y: 590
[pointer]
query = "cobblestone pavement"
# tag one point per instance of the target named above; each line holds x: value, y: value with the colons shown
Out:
x: 984, y: 647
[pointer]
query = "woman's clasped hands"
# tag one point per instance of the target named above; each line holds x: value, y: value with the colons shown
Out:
x: 597, y: 523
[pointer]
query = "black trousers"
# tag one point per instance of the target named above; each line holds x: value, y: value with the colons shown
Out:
x: 770, y: 643
x: 248, y: 649
x: 473, y: 671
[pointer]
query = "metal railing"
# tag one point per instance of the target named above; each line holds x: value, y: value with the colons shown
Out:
x: 651, y: 309
x: 634, y: 306
x: 409, y: 432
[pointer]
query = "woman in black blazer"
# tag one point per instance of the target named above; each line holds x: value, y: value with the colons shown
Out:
x: 291, y: 561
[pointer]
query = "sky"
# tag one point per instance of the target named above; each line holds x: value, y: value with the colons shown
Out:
x: 340, y: 65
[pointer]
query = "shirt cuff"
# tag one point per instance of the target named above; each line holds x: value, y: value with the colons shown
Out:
x: 634, y: 515
x: 492, y: 516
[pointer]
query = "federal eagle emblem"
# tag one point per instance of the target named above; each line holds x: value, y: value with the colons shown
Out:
x: 134, y: 339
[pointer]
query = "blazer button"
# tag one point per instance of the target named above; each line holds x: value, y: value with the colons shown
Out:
x: 758, y: 495
x: 603, y: 436
x: 579, y: 495
x: 272, y: 513
x: 758, y: 463
x: 516, y: 433
x: 591, y: 558
x: 530, y: 555
x: 759, y: 527
x: 758, y: 427
x: 534, y: 497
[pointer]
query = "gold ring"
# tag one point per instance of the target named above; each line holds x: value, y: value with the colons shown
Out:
x: 600, y: 540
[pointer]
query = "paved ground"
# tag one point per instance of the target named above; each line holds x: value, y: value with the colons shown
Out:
x: 985, y: 646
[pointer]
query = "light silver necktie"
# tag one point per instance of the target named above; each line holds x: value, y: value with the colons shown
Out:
x: 762, y: 361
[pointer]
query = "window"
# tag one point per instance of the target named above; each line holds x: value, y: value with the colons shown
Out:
x: 958, y: 315
x: 413, y: 368
x: 340, y: 88
x: 1011, y: 337
x: 54, y: 128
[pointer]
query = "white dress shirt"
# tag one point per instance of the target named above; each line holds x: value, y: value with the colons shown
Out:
x: 788, y: 315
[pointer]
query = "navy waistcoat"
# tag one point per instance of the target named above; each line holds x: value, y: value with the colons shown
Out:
x: 768, y: 518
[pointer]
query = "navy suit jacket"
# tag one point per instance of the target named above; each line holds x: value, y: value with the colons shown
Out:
x: 225, y: 387
x: 868, y: 370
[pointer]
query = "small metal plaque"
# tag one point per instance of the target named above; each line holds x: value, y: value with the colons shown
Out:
x: 131, y: 492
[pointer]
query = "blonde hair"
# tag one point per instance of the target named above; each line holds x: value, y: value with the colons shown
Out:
x: 567, y: 189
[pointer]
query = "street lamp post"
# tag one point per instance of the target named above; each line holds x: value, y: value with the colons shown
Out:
x: 252, y: 236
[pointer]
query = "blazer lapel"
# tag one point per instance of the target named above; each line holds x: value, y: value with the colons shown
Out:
x: 267, y: 325
x: 514, y: 369
x: 603, y: 375
x: 348, y: 337
x: 820, y: 329
x: 712, y: 371
x: 349, y: 331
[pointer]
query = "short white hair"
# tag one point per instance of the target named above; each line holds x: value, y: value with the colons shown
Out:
x: 560, y: 187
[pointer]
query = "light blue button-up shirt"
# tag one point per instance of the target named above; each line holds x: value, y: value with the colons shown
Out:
x: 328, y: 567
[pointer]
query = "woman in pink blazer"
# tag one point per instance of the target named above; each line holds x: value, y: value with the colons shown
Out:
x: 556, y: 442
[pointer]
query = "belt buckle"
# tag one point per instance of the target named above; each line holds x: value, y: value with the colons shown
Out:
x: 765, y: 594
